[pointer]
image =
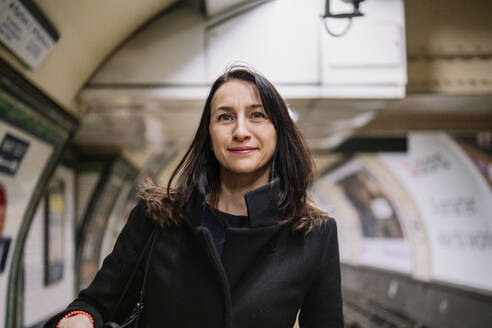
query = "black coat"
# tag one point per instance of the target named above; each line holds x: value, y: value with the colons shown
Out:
x: 267, y: 273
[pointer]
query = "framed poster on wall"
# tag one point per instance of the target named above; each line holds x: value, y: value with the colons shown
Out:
x: 369, y: 210
x: 4, y: 241
x: 377, y: 215
x: 95, y: 225
x: 54, y: 222
x: 39, y: 262
x: 124, y: 204
x: 94, y: 230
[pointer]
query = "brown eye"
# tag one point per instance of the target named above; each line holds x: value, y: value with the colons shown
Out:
x: 224, y: 117
x: 257, y: 115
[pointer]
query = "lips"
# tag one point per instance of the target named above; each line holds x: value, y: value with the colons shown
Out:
x: 242, y: 150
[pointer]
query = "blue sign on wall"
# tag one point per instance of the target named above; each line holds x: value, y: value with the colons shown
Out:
x: 4, y: 250
x: 12, y: 151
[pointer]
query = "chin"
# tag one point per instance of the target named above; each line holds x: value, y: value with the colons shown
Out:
x: 244, y: 169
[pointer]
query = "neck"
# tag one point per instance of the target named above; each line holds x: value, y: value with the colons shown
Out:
x: 233, y: 187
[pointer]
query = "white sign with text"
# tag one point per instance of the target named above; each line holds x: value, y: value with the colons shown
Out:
x: 22, y: 34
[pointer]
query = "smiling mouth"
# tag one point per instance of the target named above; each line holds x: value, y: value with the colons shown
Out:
x: 242, y: 150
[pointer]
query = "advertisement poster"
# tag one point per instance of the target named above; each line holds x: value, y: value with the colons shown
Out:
x: 86, y: 185
x: 23, y: 158
x: 376, y: 215
x: 363, y: 202
x: 4, y: 241
x: 49, y: 253
x: 91, y: 248
x: 119, y: 215
x: 54, y: 223
x: 455, y: 200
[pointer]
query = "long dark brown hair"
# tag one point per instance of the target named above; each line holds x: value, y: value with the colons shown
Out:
x: 291, y: 163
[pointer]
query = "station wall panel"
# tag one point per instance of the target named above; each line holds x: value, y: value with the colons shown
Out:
x: 24, y: 157
x: 32, y: 134
x: 426, y: 213
x: 455, y: 202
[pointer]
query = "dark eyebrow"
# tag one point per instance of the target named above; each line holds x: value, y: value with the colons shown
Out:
x: 229, y: 108
x: 224, y: 108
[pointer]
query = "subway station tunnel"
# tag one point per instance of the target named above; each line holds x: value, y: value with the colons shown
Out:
x: 395, y: 104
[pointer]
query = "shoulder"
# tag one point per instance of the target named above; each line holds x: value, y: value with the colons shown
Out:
x: 322, y: 234
x: 314, y: 222
x: 327, y: 240
x: 159, y: 208
x: 139, y: 211
x: 139, y: 218
x: 324, y: 227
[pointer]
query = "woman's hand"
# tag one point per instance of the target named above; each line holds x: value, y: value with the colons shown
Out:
x: 76, y: 321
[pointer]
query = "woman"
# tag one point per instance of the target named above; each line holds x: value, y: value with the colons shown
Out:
x: 238, y: 243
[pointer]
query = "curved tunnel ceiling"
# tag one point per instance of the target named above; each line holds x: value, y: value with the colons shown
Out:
x: 89, y: 32
x: 145, y: 78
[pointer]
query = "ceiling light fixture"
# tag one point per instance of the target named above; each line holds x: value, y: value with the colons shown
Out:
x: 348, y: 16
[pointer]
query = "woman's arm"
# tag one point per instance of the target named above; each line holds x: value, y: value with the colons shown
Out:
x: 76, y: 321
x: 322, y: 306
x: 100, y: 299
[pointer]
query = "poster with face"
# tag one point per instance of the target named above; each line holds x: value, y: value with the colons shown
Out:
x: 54, y: 223
x: 368, y: 211
x: 377, y: 216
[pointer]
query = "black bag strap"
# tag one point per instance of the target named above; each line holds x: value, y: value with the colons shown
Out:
x: 140, y: 304
x: 134, y: 315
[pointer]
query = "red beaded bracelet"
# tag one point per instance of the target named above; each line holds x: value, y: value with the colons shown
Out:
x: 71, y: 314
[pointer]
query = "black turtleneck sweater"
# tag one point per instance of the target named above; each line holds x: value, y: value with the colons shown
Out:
x: 217, y: 222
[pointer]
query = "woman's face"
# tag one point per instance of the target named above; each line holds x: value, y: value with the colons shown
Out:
x: 243, y: 138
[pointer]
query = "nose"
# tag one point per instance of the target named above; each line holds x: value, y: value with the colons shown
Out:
x: 241, y: 132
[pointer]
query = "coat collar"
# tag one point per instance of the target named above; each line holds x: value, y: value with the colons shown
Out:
x: 248, y: 243
x: 261, y: 204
